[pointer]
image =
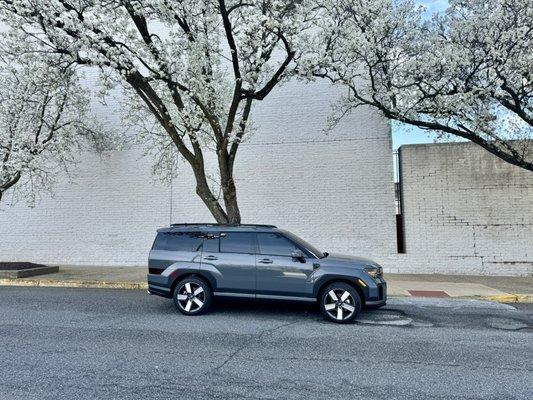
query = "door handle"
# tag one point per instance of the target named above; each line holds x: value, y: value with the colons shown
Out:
x: 266, y: 261
x: 210, y: 258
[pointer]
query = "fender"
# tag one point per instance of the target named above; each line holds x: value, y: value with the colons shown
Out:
x: 321, y: 280
x: 179, y: 269
x: 161, y: 284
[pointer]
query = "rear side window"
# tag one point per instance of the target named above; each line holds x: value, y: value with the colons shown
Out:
x: 275, y: 245
x: 178, y: 241
x: 160, y: 242
x: 211, y: 243
x: 237, y: 242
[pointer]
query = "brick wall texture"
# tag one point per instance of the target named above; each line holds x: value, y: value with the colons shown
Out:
x: 465, y: 211
x: 334, y: 190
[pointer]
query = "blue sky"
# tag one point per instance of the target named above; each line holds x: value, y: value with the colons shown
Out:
x: 402, y: 134
x: 434, y: 5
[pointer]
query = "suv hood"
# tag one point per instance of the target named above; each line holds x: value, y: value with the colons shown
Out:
x: 345, y: 259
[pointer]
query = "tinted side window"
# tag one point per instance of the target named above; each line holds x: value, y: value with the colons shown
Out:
x: 178, y: 241
x: 274, y: 244
x: 237, y: 242
x: 160, y: 242
x: 211, y: 244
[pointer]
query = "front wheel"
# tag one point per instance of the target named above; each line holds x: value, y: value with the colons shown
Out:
x: 339, y: 302
x: 192, y: 296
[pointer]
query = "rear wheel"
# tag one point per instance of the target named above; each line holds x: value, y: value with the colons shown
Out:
x: 192, y: 296
x: 339, y: 302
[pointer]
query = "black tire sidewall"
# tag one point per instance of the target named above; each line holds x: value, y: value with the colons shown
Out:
x: 348, y: 288
x: 207, y: 291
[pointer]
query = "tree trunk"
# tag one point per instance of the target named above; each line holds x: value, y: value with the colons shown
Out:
x: 230, y: 200
x: 231, y: 213
x: 229, y: 191
x: 211, y: 202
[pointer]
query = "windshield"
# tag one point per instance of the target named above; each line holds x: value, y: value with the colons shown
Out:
x: 302, y: 243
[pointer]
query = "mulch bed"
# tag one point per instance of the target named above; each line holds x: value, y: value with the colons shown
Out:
x: 17, y: 266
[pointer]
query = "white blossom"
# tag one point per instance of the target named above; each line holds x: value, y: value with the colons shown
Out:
x: 465, y: 73
x: 43, y: 114
x: 193, y: 68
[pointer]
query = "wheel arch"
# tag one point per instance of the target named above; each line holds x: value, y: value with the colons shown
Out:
x: 197, y: 274
x: 327, y: 281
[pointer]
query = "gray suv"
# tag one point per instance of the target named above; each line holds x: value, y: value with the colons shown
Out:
x: 191, y: 263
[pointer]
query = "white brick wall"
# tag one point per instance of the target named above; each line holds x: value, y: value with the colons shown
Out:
x: 465, y: 212
x: 336, y: 190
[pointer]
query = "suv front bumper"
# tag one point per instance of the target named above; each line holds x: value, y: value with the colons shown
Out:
x: 380, y: 298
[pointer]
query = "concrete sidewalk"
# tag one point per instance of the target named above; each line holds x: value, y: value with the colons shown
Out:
x: 502, y: 289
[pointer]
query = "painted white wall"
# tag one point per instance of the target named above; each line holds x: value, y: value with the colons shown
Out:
x: 334, y: 190
x: 465, y: 211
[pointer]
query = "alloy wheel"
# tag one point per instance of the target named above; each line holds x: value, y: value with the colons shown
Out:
x: 191, y: 297
x: 339, y: 304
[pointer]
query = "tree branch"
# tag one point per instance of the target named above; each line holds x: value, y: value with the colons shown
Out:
x: 262, y: 93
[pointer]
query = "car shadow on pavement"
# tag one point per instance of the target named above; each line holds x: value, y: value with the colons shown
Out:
x: 280, y: 309
x: 265, y: 307
x: 283, y: 309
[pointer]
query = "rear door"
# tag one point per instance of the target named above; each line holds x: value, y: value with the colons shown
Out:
x: 278, y: 273
x: 230, y: 258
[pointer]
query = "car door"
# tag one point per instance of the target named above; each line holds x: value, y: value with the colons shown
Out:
x: 230, y: 258
x: 278, y: 272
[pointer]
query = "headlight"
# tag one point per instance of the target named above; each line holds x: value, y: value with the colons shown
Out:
x: 374, y: 271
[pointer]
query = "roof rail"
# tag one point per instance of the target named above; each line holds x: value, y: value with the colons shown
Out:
x: 229, y: 225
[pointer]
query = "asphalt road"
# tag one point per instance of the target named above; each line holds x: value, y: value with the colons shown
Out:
x: 113, y: 344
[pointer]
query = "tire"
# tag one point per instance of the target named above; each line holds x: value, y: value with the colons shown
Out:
x: 340, y: 303
x: 192, y: 296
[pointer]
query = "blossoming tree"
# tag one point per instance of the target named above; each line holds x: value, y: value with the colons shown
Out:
x: 196, y: 66
x: 467, y: 73
x: 43, y: 114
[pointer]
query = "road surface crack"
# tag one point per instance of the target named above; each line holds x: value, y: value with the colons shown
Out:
x: 247, y: 342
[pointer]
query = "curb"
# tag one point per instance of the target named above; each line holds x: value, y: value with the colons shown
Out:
x: 74, y: 284
x: 511, y: 298
x: 501, y: 298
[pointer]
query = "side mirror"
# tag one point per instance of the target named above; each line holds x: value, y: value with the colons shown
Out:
x: 298, y: 255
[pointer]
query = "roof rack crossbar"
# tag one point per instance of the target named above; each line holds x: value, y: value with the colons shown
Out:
x: 216, y: 224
